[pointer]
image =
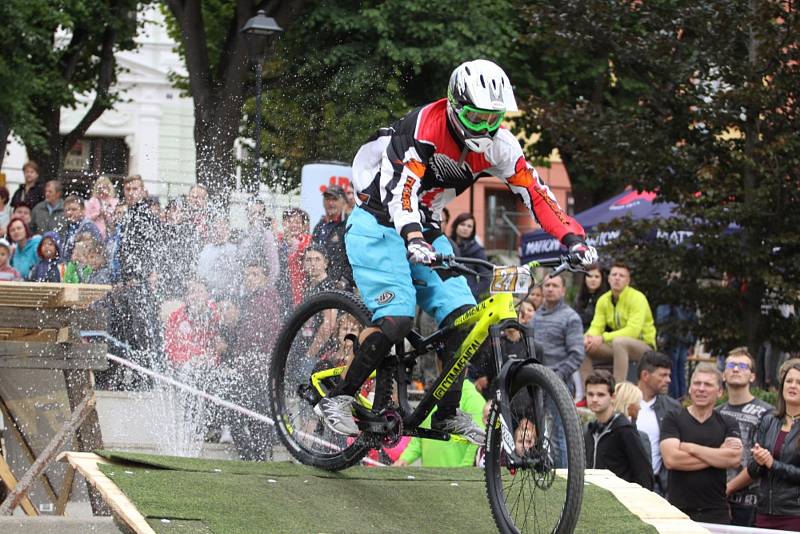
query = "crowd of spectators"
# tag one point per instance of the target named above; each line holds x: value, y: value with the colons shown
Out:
x: 193, y: 296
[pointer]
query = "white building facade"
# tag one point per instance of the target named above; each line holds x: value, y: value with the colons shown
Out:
x: 153, y: 120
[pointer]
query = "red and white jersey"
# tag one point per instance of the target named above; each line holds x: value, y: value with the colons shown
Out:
x: 406, y: 174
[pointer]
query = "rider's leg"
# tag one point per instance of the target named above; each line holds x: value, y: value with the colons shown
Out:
x: 374, y: 344
x: 449, y: 402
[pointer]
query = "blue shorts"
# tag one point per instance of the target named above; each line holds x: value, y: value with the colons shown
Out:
x: 386, y: 280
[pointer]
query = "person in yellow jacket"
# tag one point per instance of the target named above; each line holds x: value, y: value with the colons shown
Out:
x: 622, y: 327
x: 453, y: 453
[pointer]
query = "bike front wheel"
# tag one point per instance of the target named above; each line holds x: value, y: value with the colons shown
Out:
x: 541, y: 493
x: 318, y: 335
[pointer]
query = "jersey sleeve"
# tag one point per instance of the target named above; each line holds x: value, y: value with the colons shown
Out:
x: 402, y: 170
x: 509, y: 164
x: 669, y: 426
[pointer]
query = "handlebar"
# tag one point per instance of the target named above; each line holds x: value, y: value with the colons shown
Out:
x: 565, y: 262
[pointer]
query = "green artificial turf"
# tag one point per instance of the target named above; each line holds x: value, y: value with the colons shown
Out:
x: 184, y: 495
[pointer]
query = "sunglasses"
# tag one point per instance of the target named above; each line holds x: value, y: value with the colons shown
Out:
x: 737, y: 365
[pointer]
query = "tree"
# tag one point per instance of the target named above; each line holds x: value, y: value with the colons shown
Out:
x: 709, y: 119
x: 56, y: 52
x: 340, y: 71
x: 212, y: 46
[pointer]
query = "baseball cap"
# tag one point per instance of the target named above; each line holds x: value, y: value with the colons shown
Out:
x: 5, y: 243
x: 334, y: 191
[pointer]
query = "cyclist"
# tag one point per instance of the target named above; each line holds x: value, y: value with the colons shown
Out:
x: 404, y: 175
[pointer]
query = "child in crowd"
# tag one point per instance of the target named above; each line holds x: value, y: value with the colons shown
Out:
x: 78, y: 271
x: 49, y: 267
x: 7, y: 272
x: 96, y: 260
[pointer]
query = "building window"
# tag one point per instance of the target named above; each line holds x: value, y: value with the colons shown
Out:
x: 92, y: 157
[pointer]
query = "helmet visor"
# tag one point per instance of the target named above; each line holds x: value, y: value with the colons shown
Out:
x: 478, y: 120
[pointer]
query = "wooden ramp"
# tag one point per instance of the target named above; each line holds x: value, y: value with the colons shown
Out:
x: 165, y: 494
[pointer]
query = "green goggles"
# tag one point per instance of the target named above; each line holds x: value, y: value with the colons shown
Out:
x: 478, y: 120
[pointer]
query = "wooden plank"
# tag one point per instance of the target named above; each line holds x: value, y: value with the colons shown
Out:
x: 51, y: 295
x: 66, y: 491
x: 32, y: 318
x: 40, y: 355
x: 122, y: 508
x: 27, y: 450
x: 88, y: 436
x: 10, y: 481
x: 48, y: 455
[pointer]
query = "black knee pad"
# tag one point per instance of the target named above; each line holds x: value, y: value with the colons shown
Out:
x: 395, y: 328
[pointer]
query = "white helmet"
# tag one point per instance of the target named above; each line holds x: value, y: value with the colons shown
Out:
x: 478, y: 96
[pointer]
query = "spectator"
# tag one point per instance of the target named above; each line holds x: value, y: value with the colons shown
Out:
x: 259, y: 246
x: 748, y: 411
x: 675, y: 338
x: 101, y: 207
x: 23, y: 211
x: 612, y: 442
x: 23, y: 254
x: 31, y: 191
x: 218, y: 262
x: 255, y: 333
x: 628, y: 401
x: 435, y: 453
x: 594, y: 285
x: 197, y: 211
x: 698, y: 444
x: 329, y: 234
x: 349, y: 199
x: 622, y: 327
x: 77, y: 270
x: 49, y: 252
x: 558, y: 329
x: 5, y: 210
x: 775, y: 458
x: 292, y: 244
x: 192, y: 331
x: 133, y: 314
x: 316, y: 265
x: 76, y: 224
x: 48, y: 215
x: 463, y: 233
x: 654, y: 377
x: 445, y: 221
x: 97, y: 261
x: 7, y: 272
x: 535, y: 298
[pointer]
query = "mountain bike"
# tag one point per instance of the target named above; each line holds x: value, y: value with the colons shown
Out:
x: 533, y: 427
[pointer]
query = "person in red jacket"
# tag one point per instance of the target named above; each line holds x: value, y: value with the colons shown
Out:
x: 192, y: 331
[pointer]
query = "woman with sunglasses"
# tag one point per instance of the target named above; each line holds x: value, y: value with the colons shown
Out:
x: 776, y: 457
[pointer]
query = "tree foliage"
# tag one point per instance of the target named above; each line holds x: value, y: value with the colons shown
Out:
x: 54, y: 53
x: 698, y: 101
x: 346, y: 68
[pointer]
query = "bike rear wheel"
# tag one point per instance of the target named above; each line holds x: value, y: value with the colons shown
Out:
x: 313, y: 338
x: 533, y: 498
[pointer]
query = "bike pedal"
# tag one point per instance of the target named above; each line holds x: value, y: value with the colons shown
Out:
x: 427, y: 433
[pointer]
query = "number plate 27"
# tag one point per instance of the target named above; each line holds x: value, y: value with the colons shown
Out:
x: 510, y: 280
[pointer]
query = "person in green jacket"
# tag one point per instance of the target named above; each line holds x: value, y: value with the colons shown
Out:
x: 622, y: 327
x: 453, y: 453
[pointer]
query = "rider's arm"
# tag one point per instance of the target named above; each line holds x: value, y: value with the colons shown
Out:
x: 510, y: 165
x: 404, y: 165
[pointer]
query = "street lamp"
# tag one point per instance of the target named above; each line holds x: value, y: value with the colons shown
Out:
x: 257, y: 32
